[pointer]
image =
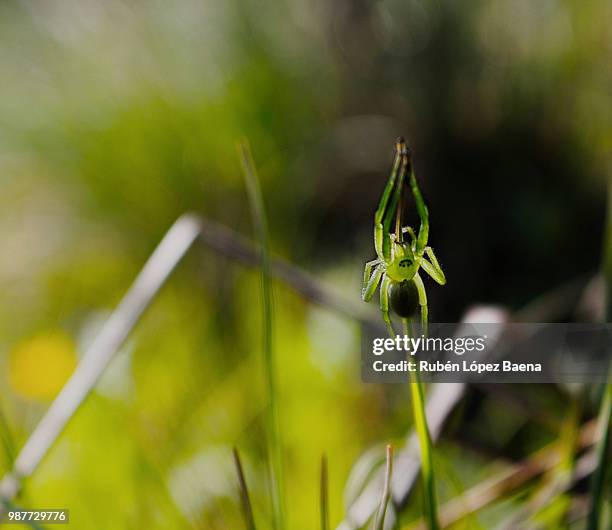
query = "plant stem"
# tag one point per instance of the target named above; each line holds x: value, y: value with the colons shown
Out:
x: 605, y: 411
x: 422, y: 430
x: 6, y: 440
x: 598, y: 478
x: 247, y: 509
x: 379, y: 522
x: 324, y: 500
x: 272, y: 421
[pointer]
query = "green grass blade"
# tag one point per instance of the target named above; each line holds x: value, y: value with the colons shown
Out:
x: 379, y: 521
x: 324, y: 499
x: 420, y: 422
x: 598, y: 480
x: 605, y: 412
x: 7, y: 441
x: 247, y: 509
x: 272, y: 421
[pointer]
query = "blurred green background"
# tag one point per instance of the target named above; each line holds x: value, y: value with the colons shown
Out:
x: 116, y: 117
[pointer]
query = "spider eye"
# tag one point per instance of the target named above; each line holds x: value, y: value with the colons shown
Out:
x: 405, y: 263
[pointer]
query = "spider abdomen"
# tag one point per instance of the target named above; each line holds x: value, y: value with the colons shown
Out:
x: 404, y: 298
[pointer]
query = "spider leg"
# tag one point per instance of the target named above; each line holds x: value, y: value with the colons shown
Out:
x: 410, y: 231
x: 433, y: 268
x: 422, y: 211
x: 388, y: 202
x: 371, y: 279
x: 384, y: 303
x: 422, y: 301
x: 367, y: 271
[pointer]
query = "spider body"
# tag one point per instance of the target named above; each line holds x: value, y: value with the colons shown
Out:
x: 404, y: 298
x: 396, y: 268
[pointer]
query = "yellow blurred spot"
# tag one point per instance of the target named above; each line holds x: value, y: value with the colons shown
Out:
x: 39, y: 366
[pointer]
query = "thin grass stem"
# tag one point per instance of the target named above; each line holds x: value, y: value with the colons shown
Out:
x: 272, y: 421
x: 605, y: 412
x: 379, y: 521
x: 603, y: 462
x: 247, y: 509
x: 6, y: 440
x: 324, y: 498
x: 420, y: 422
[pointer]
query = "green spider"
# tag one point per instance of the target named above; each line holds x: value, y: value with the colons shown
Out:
x: 398, y: 261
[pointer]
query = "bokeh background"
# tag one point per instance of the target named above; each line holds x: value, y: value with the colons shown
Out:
x: 118, y: 116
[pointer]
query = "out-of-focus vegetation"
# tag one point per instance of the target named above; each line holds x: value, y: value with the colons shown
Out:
x: 116, y: 117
